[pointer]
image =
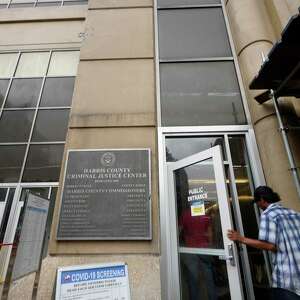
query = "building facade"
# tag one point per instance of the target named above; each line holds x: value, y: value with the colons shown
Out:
x: 171, y: 76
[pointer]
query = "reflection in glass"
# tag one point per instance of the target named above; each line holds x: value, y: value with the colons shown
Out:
x: 192, y: 33
x: 6, y: 213
x: 3, y: 192
x: 7, y: 64
x: 15, y: 126
x: 245, y: 187
x: 202, y: 93
x: 64, y: 63
x: 24, y: 93
x: 40, y: 191
x: 3, y: 88
x: 51, y: 125
x: 58, y: 92
x: 181, y: 147
x: 43, y: 163
x: 203, y: 278
x: 11, y: 159
x: 33, y: 64
x: 198, y: 213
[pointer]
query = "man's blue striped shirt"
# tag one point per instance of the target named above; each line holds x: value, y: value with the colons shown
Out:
x: 281, y: 226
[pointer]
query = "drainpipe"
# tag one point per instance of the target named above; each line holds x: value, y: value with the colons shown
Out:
x: 287, y: 146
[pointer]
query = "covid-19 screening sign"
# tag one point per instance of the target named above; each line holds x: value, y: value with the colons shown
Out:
x: 101, y: 282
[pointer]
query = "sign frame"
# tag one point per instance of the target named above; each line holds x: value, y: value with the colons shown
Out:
x: 87, y: 267
x: 146, y: 238
x: 35, y: 263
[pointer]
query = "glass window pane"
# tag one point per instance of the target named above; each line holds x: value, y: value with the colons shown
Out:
x: 172, y: 3
x: 180, y: 147
x: 7, y: 64
x: 58, y: 91
x: 203, y: 277
x: 3, y: 192
x: 48, y: 3
x: 22, y: 1
x: 204, y: 93
x: 64, y: 63
x: 16, y: 5
x: 11, y: 159
x: 3, y: 88
x: 51, y: 125
x: 15, y: 126
x: 75, y: 2
x: 43, y: 163
x: 6, y: 214
x: 198, y: 215
x: 24, y: 93
x: 33, y: 64
x: 192, y: 33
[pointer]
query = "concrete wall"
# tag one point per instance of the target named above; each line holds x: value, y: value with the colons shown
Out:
x: 114, y: 107
x: 256, y: 25
x: 32, y: 29
x: 42, y: 28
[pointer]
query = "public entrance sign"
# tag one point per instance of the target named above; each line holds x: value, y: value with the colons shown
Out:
x: 106, y: 195
x: 87, y: 282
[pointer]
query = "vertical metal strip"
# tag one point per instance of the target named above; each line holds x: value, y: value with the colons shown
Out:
x: 286, y: 144
x: 238, y: 217
x: 234, y: 274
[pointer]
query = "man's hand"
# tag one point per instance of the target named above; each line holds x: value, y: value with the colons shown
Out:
x: 234, y: 236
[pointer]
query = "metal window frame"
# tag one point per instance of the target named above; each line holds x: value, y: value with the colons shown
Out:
x: 37, y: 107
x: 35, y: 2
x: 232, y: 58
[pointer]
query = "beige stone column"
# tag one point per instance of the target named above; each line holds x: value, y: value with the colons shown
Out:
x: 114, y: 107
x: 254, y: 33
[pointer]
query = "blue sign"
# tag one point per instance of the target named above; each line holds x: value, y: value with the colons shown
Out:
x: 92, y: 274
x: 87, y: 282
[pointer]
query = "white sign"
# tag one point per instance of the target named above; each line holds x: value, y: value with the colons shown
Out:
x: 32, y: 236
x: 87, y: 282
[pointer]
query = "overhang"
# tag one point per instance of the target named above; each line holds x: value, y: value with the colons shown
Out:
x: 280, y: 72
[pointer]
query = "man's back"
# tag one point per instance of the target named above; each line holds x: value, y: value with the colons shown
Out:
x: 281, y: 226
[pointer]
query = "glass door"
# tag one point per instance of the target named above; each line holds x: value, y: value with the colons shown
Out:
x: 205, y: 265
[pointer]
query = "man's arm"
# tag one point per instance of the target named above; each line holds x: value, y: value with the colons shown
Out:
x: 235, y: 236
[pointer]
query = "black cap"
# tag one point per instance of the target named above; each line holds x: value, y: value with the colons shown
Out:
x: 266, y: 193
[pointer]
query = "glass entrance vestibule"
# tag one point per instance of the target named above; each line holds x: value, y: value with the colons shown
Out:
x: 208, y: 178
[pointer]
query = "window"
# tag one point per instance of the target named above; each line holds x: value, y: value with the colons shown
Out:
x: 36, y: 90
x: 39, y: 3
x: 198, y: 80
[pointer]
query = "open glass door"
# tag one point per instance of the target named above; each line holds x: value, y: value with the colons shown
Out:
x: 205, y: 264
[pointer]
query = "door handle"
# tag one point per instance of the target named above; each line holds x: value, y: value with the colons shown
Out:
x: 230, y: 256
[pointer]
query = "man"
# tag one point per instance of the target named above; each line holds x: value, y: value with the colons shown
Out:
x: 279, y: 232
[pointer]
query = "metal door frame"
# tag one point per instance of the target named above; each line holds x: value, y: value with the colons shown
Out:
x: 234, y: 279
x: 258, y: 179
